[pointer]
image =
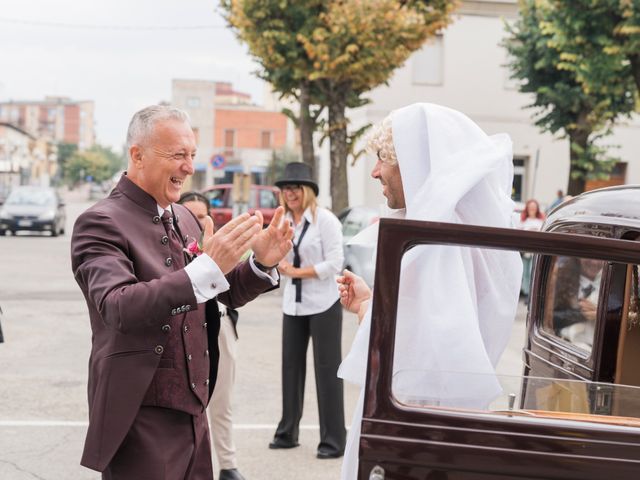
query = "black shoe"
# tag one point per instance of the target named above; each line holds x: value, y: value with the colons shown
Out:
x: 230, y: 474
x: 281, y: 443
x: 324, y: 454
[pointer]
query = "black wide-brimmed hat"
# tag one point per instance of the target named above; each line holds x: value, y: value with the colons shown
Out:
x: 297, y: 173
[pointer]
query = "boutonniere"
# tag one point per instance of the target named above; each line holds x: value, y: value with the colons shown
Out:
x: 194, y: 248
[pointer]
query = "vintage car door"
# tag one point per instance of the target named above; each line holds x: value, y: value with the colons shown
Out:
x: 403, y: 439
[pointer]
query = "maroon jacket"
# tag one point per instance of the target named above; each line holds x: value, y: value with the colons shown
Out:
x: 119, y: 260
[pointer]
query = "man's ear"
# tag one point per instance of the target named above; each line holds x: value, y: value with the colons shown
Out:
x: 135, y: 153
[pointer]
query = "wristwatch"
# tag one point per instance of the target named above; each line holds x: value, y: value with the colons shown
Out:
x: 261, y: 267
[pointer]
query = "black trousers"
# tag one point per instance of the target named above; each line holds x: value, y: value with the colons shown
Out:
x: 325, y: 330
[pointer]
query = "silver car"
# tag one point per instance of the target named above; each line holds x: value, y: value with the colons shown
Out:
x: 358, y: 258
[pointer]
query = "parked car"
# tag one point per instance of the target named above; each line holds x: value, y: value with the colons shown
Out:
x: 33, y: 209
x: 265, y: 198
x: 574, y: 411
x: 358, y: 258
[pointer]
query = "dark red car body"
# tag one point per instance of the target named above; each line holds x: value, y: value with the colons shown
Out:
x: 264, y: 198
x: 595, y: 438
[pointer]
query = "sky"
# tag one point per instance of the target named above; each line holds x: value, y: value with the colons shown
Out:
x: 121, y: 69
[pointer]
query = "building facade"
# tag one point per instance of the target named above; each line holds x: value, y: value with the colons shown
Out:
x: 54, y: 119
x: 233, y: 135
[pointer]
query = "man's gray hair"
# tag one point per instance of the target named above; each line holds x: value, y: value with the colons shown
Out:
x: 143, y: 121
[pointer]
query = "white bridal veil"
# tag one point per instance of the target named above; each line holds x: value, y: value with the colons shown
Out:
x: 456, y: 305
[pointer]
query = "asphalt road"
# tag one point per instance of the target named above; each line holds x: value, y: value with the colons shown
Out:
x: 43, y: 368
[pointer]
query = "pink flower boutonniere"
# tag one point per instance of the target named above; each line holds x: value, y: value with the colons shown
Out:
x: 194, y: 248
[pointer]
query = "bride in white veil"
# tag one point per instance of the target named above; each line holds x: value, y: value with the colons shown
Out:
x: 456, y: 305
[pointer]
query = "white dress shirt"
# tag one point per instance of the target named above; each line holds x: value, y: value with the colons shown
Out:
x: 207, y: 279
x: 321, y: 248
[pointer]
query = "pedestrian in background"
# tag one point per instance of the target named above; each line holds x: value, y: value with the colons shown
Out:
x: 531, y: 219
x: 311, y: 308
x: 558, y: 200
x: 219, y: 411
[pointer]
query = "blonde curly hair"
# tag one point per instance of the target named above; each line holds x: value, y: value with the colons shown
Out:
x: 380, y: 142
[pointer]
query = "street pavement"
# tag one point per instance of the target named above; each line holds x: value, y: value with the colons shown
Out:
x: 43, y: 371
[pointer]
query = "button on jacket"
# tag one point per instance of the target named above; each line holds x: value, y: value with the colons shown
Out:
x: 321, y: 248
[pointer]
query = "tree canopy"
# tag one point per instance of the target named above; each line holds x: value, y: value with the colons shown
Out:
x: 329, y: 53
x: 562, y: 102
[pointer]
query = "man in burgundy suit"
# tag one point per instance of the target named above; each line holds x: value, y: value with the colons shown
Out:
x: 153, y: 309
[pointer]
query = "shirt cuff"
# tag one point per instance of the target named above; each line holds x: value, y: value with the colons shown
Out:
x: 207, y: 279
x: 272, y: 275
x: 324, y: 270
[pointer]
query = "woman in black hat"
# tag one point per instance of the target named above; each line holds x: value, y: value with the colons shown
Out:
x: 311, y: 308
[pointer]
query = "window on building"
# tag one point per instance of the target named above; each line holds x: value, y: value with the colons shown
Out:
x: 193, y: 102
x: 519, y: 176
x: 229, y: 138
x: 265, y: 140
x: 428, y: 63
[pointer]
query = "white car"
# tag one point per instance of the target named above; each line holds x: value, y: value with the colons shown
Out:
x: 358, y: 258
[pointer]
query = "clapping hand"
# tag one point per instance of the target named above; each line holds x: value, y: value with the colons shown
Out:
x: 229, y: 243
x: 272, y: 243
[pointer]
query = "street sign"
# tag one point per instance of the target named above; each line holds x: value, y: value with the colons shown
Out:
x: 218, y: 161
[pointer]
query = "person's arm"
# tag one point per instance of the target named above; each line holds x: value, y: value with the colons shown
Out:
x: 105, y: 273
x: 330, y: 231
x: 355, y: 294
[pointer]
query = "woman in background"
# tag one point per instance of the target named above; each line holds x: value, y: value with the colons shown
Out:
x: 531, y: 218
x: 311, y: 308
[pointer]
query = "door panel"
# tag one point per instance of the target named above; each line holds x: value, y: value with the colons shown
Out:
x: 426, y: 441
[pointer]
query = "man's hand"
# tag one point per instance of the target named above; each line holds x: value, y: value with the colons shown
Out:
x: 272, y: 243
x: 354, y: 293
x: 230, y: 242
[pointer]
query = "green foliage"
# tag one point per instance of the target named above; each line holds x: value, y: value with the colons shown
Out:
x: 99, y: 162
x: 65, y: 151
x: 561, y: 102
x: 601, y: 43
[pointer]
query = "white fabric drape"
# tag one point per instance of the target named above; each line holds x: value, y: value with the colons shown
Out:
x: 456, y: 305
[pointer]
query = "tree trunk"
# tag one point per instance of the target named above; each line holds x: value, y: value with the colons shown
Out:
x: 576, y: 185
x: 307, y: 128
x: 635, y: 69
x: 338, y: 148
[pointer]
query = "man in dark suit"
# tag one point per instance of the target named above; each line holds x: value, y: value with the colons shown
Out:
x: 153, y: 309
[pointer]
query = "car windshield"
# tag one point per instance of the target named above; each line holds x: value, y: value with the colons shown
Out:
x: 30, y: 196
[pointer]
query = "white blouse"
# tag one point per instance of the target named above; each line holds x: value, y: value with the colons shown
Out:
x: 321, y: 248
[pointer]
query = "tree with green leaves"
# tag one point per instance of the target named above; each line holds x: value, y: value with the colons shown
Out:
x: 600, y: 41
x: 99, y: 162
x: 330, y: 53
x: 561, y: 103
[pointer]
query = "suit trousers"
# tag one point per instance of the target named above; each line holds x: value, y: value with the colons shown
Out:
x: 325, y: 330
x: 220, y: 413
x: 163, y: 444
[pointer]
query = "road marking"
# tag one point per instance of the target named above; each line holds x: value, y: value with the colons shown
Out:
x: 67, y: 423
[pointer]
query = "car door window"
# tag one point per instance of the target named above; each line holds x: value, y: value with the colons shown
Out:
x: 217, y: 198
x: 571, y: 297
x: 267, y: 199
